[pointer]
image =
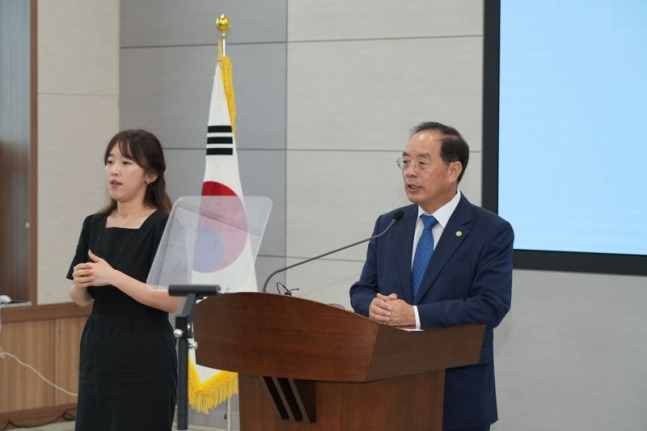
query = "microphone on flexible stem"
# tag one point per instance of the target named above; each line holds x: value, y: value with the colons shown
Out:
x: 396, y: 218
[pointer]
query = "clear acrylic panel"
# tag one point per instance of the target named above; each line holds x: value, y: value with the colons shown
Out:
x: 211, y: 240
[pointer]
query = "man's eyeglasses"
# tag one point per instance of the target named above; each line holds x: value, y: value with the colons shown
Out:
x: 404, y: 163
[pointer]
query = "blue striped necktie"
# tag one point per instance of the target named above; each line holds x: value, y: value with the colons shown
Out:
x: 424, y: 250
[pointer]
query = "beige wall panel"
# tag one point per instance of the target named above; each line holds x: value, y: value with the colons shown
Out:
x: 169, y: 22
x: 573, y: 345
x: 472, y: 179
x: 368, y: 19
x: 167, y: 90
x: 326, y: 281
x: 366, y: 95
x: 74, y: 131
x: 334, y: 198
x: 78, y: 46
x: 266, y: 265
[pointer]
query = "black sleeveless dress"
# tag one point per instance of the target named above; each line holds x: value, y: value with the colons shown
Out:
x: 128, y: 363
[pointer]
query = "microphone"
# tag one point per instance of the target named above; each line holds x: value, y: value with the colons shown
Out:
x: 396, y: 218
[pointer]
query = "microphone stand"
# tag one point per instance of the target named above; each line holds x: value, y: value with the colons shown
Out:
x: 396, y: 218
x: 184, y: 332
x: 309, y: 260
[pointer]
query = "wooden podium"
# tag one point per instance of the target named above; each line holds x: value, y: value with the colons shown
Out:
x: 304, y: 365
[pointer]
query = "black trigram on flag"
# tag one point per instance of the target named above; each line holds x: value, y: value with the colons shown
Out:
x: 220, y: 141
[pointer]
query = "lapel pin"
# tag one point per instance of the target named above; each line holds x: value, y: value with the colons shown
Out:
x: 459, y: 233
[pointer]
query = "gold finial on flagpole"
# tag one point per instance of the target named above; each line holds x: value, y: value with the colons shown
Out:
x: 223, y: 23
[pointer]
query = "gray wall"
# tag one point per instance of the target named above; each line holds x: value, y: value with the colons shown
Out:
x: 326, y: 92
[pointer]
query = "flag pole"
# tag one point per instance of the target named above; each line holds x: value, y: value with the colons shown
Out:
x: 221, y: 179
x: 223, y: 24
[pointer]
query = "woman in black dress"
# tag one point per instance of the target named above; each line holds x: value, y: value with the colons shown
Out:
x: 128, y: 364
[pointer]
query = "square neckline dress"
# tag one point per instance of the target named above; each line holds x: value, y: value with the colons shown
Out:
x: 128, y: 362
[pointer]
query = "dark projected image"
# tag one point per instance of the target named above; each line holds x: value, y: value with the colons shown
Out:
x: 572, y: 135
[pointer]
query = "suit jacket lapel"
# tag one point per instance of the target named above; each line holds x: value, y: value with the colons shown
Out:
x: 453, y: 236
x: 407, y: 227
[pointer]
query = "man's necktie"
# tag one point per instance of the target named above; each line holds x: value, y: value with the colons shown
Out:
x: 424, y: 250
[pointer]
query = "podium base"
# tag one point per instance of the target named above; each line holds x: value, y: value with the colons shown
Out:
x: 413, y: 402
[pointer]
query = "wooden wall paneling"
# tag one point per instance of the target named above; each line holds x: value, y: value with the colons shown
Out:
x: 66, y: 354
x: 33, y: 343
x: 47, y: 337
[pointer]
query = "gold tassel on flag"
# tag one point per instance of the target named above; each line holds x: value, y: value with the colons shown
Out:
x: 228, y: 83
x: 203, y: 396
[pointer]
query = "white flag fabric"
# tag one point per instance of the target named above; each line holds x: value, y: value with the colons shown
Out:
x: 221, y: 176
x: 209, y: 387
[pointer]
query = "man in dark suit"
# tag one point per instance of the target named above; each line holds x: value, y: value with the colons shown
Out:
x: 467, y: 279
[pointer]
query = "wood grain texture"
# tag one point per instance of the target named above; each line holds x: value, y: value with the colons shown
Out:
x: 48, y: 344
x: 282, y: 336
x: 324, y: 368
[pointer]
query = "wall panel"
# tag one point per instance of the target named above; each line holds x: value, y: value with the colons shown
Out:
x: 78, y: 47
x: 571, y: 352
x: 78, y: 104
x: 33, y: 343
x: 368, y: 94
x: 75, y: 130
x: 169, y: 23
x: 334, y: 198
x: 167, y: 90
x: 328, y: 280
x: 382, y: 19
x: 46, y: 338
x: 68, y: 332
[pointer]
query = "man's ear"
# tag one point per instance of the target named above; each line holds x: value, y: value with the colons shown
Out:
x: 455, y: 169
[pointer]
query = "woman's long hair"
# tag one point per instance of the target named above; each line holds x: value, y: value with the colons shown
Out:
x: 145, y: 149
